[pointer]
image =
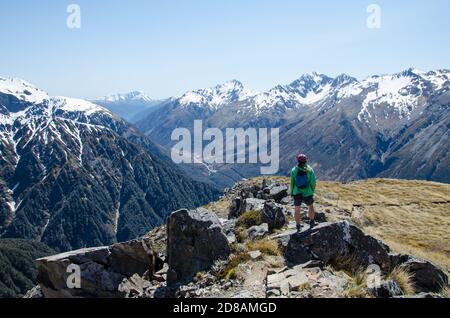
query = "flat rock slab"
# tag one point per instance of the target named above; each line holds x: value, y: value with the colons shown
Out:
x: 100, y: 270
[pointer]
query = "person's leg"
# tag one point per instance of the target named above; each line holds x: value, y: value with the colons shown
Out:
x: 298, y: 216
x: 311, y: 212
x: 298, y: 210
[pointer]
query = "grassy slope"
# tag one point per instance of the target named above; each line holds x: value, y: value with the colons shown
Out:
x: 410, y: 216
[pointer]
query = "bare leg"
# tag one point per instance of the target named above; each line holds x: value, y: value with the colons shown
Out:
x: 312, y: 212
x: 298, y: 216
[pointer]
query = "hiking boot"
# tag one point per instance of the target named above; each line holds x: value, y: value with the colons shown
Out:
x: 299, y: 227
x: 312, y: 224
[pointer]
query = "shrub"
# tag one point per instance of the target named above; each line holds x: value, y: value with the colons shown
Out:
x: 249, y: 219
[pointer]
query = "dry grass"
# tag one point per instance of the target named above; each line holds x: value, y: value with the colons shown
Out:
x: 267, y: 247
x: 404, y: 280
x: 357, y: 287
x: 229, y: 271
x: 445, y: 292
x: 410, y: 216
x: 220, y: 207
x: 249, y: 219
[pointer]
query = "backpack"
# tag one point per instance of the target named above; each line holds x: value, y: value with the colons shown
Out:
x: 301, y: 180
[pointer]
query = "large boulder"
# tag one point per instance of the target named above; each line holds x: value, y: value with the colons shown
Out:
x: 427, y: 277
x: 101, y: 269
x: 273, y: 215
x: 252, y: 204
x: 278, y: 192
x: 341, y: 244
x: 195, y: 241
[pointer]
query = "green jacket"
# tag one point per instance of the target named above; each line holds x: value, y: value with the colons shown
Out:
x: 309, y: 191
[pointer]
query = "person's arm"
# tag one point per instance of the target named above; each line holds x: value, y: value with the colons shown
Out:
x: 291, y: 190
x: 313, y: 181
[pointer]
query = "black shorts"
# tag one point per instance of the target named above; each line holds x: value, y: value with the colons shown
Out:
x: 298, y: 199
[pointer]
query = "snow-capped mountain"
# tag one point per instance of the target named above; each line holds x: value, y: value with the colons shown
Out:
x: 216, y: 97
x: 73, y: 174
x: 131, y: 96
x: 373, y: 112
x: 129, y: 105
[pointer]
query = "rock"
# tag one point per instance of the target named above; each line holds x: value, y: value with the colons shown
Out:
x: 134, y: 286
x: 311, y: 264
x: 386, y: 289
x: 255, y: 254
x: 252, y: 204
x: 273, y: 293
x: 257, y: 232
x: 422, y: 295
x: 234, y: 211
x: 195, y: 240
x: 427, y: 277
x: 273, y: 215
x: 34, y: 292
x: 319, y: 218
x: 102, y: 269
x: 287, y: 201
x: 285, y: 289
x: 285, y: 282
x: 278, y: 192
x: 336, y: 242
x: 228, y: 227
x: 243, y: 294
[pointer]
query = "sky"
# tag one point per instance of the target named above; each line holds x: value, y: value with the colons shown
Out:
x: 167, y: 47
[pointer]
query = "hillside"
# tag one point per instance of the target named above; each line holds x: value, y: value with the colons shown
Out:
x: 410, y: 216
x: 245, y: 245
x: 389, y: 125
x: 73, y: 174
x: 17, y: 265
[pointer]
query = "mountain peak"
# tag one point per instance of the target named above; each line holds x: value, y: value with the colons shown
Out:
x: 22, y: 90
x: 125, y: 97
x: 214, y: 97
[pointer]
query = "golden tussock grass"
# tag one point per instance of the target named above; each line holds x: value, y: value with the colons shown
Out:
x: 249, y: 219
x: 410, y: 216
x: 267, y: 247
x: 404, y: 280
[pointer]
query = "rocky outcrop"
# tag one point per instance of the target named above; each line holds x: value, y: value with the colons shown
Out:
x: 95, y: 272
x: 195, y: 240
x: 274, y: 215
x: 427, y: 277
x: 340, y: 244
x: 252, y: 197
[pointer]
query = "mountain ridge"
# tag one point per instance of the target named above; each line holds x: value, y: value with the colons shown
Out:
x: 74, y: 175
x: 370, y: 117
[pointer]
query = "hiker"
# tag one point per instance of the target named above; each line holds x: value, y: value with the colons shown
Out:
x: 303, y: 185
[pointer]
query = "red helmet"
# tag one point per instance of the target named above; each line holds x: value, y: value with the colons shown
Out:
x: 301, y: 158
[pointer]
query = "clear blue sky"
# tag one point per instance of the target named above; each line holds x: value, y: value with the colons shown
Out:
x: 166, y: 47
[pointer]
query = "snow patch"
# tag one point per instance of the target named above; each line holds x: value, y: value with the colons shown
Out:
x: 22, y: 90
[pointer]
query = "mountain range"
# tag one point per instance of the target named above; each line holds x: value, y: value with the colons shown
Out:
x: 129, y: 105
x: 73, y: 174
x: 393, y: 125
